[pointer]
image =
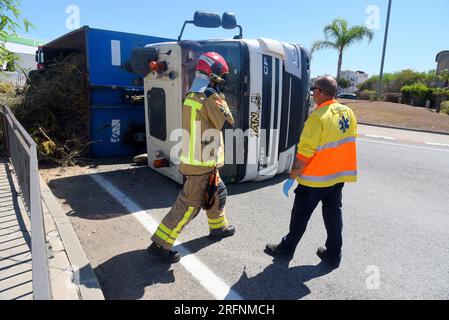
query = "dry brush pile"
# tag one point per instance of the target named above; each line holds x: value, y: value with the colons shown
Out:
x: 53, y: 108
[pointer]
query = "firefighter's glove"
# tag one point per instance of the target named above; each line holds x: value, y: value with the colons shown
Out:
x: 288, y: 186
x: 228, y: 116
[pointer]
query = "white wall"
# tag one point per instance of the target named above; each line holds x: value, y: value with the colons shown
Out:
x: 26, y: 55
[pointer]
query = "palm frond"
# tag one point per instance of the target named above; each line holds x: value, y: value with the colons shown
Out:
x: 357, y: 34
x: 320, y: 45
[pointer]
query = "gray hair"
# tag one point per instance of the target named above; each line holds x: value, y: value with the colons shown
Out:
x: 328, y: 85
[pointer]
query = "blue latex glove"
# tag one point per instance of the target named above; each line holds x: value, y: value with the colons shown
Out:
x: 287, y: 186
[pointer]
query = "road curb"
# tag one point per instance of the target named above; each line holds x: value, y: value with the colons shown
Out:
x: 89, y: 286
x: 400, y: 128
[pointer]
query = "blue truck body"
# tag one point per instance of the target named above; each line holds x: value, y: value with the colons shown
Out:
x: 115, y: 124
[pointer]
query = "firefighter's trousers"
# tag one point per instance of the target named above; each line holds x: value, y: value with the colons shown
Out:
x: 188, y: 206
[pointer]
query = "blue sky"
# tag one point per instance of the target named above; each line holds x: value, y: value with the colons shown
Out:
x: 418, y: 29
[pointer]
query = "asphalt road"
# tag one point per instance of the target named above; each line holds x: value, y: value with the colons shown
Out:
x: 396, y: 239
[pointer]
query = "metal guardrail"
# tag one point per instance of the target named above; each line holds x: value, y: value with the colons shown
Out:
x: 22, y: 151
x: 13, y: 78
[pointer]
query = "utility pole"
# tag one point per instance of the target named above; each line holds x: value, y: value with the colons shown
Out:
x: 381, y: 76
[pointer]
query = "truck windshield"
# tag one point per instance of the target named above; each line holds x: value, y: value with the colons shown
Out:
x: 233, y: 88
x: 236, y: 55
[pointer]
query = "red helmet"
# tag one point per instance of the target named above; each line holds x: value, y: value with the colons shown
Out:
x: 213, y: 65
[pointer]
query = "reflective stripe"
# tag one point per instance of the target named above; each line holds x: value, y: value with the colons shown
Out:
x: 208, y: 60
x: 164, y: 229
x: 336, y: 144
x: 197, y: 163
x: 218, y: 226
x: 330, y: 177
x: 190, y: 159
x: 215, y: 221
x: 192, y: 144
x: 161, y: 235
x: 219, y: 223
x: 193, y: 104
x: 164, y: 233
x: 177, y: 230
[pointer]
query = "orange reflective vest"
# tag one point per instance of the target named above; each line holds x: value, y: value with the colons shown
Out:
x: 328, y: 146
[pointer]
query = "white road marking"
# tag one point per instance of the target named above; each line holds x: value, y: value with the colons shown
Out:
x: 402, y: 145
x: 211, y: 282
x: 379, y: 137
x: 437, y: 144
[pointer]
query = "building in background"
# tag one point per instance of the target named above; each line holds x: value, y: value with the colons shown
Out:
x: 355, y: 78
x: 25, y: 49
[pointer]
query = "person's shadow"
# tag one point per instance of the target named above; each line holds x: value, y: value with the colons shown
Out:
x: 125, y: 277
x: 128, y: 275
x: 279, y: 282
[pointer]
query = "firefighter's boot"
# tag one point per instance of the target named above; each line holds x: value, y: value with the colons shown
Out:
x: 163, y: 255
x: 218, y: 235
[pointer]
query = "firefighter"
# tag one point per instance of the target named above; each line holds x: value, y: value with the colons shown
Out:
x: 204, y: 114
x: 326, y: 160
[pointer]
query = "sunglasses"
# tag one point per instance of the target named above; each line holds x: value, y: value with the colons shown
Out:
x: 316, y: 88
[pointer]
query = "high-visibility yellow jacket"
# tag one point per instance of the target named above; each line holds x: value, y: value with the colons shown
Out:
x: 328, y: 146
x: 203, y: 117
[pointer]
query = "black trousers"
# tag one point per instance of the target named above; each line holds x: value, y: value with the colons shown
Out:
x: 306, y: 201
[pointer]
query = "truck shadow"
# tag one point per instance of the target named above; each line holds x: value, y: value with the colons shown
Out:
x: 145, y: 187
x: 279, y: 282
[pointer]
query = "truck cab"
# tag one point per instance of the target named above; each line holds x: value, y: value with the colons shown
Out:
x: 267, y: 90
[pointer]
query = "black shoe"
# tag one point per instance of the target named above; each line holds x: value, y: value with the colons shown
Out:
x: 279, y: 251
x: 163, y: 255
x: 220, y: 235
x: 331, y: 261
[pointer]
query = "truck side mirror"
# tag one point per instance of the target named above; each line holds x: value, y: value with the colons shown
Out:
x: 204, y: 19
x: 229, y: 20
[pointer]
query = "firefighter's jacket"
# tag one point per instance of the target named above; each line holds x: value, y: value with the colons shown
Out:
x: 203, y: 118
x: 328, y: 146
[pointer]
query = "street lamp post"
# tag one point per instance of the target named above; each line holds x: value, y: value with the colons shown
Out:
x: 381, y: 76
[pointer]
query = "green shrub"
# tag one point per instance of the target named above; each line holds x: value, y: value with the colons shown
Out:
x: 393, y: 82
x: 437, y: 95
x: 406, y: 92
x: 367, y: 95
x: 416, y: 94
x: 440, y: 93
x: 392, y: 97
x: 445, y: 107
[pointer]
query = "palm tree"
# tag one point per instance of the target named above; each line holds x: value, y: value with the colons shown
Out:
x: 339, y: 36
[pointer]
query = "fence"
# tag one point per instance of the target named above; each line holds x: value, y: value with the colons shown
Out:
x: 14, y: 78
x: 22, y: 152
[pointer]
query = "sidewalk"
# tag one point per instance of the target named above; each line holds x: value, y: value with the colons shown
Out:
x: 68, y: 281
x: 15, y: 244
x: 406, y: 136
